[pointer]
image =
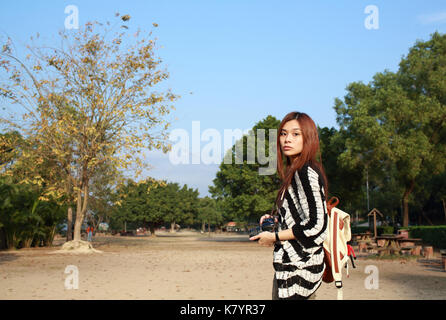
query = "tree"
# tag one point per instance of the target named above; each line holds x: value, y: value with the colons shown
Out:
x: 102, y: 187
x: 344, y: 182
x: 92, y: 100
x: 429, y: 197
x: 209, y: 213
x: 10, y: 143
x: 399, y: 118
x: 239, y: 189
x: 171, y: 205
x: 188, y: 198
x: 139, y: 202
x: 152, y: 203
x: 179, y: 204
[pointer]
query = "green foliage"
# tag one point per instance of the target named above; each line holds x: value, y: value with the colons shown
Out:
x: 432, y: 235
x: 344, y: 182
x: 152, y: 203
x: 397, y: 123
x: 241, y: 192
x: 384, y: 230
x: 25, y: 220
x: 208, y: 212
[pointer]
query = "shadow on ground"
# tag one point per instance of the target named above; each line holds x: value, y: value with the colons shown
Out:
x: 432, y: 264
x: 237, y: 238
x: 6, y: 256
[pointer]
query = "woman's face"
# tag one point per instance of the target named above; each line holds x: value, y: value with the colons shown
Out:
x: 291, y: 140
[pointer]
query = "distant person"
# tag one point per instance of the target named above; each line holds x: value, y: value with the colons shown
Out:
x: 90, y: 233
x: 298, y: 258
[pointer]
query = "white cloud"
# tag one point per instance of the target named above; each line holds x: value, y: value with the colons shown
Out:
x: 438, y: 17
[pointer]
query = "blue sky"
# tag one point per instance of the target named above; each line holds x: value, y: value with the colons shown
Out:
x: 244, y: 60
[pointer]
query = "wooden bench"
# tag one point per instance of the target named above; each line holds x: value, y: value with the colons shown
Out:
x: 416, y: 251
x: 409, y: 242
x: 407, y: 250
x: 363, y: 245
x: 384, y: 251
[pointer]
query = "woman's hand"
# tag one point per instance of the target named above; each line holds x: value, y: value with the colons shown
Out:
x: 266, y: 238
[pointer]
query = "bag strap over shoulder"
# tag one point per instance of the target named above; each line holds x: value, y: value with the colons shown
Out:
x: 333, y: 202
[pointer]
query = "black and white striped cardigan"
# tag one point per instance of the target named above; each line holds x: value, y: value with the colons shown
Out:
x: 299, y: 263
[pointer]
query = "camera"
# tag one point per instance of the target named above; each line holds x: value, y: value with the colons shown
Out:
x: 267, y: 225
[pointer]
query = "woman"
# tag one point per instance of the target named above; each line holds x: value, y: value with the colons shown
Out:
x: 302, y: 220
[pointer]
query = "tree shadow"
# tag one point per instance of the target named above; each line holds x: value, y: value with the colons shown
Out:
x: 420, y: 286
x: 432, y: 264
x: 172, y: 235
x: 6, y: 256
x: 244, y: 238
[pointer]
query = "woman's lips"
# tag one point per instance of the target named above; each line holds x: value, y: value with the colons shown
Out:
x: 287, y: 148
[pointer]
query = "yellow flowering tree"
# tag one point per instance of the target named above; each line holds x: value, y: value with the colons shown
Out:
x: 95, y: 99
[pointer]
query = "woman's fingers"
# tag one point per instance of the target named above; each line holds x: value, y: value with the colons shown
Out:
x: 264, y: 239
x: 265, y: 216
x: 255, y: 237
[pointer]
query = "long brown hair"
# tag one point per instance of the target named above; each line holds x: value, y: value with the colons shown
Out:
x: 308, y: 155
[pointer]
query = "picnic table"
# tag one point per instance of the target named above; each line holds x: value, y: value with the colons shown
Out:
x: 388, y: 240
x: 395, y: 244
x: 364, y: 245
x: 362, y: 236
x: 409, y: 242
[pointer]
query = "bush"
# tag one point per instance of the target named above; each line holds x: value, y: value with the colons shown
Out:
x: 26, y: 221
x: 384, y: 230
x: 431, y: 235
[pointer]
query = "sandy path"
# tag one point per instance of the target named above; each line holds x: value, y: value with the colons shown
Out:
x: 192, y: 266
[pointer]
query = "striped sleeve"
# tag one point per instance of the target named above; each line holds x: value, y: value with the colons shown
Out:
x: 311, y: 231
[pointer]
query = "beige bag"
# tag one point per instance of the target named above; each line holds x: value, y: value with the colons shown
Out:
x: 335, y: 245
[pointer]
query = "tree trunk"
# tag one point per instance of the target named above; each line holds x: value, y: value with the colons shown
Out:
x: 2, y: 239
x: 172, y: 226
x: 444, y: 208
x: 27, y: 242
x: 79, y: 218
x: 152, y: 230
x: 408, y: 191
x: 70, y: 224
x: 77, y: 228
x: 203, y: 227
x: 80, y: 212
x: 49, y: 240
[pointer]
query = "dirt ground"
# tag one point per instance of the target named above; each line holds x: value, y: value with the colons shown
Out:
x: 188, y: 265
